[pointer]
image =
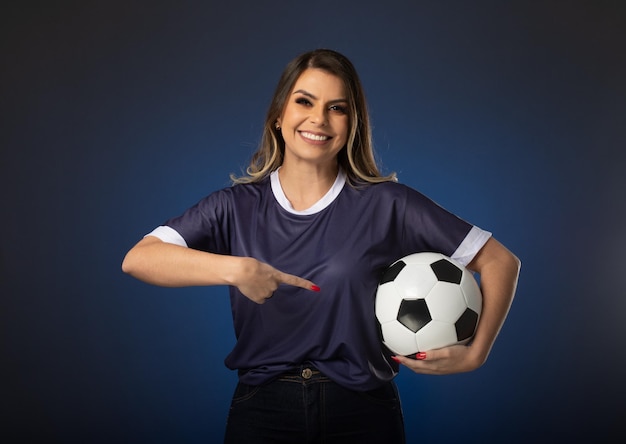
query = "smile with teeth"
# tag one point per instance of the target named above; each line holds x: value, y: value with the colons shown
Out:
x: 315, y: 137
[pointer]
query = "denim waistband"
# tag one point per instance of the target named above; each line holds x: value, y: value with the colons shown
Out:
x: 303, y: 373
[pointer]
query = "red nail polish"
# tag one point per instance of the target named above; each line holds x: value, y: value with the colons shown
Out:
x: 395, y: 359
x: 420, y: 356
x: 315, y: 288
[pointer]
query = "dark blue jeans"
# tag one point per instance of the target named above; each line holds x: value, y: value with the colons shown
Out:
x: 304, y: 406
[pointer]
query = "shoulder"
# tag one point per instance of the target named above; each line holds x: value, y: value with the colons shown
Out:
x: 238, y: 192
x: 224, y: 201
x: 385, y: 190
x: 393, y: 196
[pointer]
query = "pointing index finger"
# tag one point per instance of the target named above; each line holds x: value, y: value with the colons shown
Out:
x: 297, y: 281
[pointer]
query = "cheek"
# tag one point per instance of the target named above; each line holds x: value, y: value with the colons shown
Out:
x: 342, y: 127
x: 344, y: 135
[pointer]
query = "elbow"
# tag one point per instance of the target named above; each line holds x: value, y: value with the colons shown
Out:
x: 139, y: 262
x: 126, y: 265
x: 510, y: 264
x: 517, y: 264
x: 514, y: 265
x: 129, y: 263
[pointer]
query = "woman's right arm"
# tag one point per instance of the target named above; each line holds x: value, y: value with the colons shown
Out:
x: 168, y: 265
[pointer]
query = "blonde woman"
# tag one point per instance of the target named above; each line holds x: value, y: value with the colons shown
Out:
x: 301, y: 240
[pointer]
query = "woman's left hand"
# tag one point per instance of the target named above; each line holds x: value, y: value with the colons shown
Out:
x: 444, y: 361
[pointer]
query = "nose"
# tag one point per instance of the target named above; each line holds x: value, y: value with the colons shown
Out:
x: 318, y: 116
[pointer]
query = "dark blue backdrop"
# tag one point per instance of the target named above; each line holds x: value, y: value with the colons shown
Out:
x: 117, y: 115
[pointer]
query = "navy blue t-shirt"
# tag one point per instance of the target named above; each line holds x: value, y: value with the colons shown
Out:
x: 343, y: 248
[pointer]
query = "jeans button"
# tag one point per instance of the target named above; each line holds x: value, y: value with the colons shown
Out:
x: 307, y: 373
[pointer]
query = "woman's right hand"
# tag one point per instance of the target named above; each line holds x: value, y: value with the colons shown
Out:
x: 258, y: 281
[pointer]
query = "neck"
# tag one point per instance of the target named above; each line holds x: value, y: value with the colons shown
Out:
x: 306, y: 186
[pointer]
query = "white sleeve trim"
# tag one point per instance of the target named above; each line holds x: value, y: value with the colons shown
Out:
x: 471, y: 245
x: 168, y: 235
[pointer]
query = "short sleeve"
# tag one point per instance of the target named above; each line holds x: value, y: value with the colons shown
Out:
x: 427, y: 223
x: 203, y: 227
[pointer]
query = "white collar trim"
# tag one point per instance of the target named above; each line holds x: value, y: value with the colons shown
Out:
x: 325, y: 201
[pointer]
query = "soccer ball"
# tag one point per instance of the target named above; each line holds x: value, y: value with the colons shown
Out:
x: 426, y: 301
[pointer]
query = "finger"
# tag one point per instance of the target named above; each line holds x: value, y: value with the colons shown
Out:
x: 406, y: 360
x: 297, y: 281
x: 418, y: 366
x: 420, y: 356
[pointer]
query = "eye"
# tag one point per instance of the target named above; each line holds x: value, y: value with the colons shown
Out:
x: 339, y: 109
x: 303, y: 101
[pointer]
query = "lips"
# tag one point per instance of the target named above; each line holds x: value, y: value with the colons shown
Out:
x: 314, y: 137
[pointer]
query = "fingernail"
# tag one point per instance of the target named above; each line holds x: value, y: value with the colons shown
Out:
x: 395, y: 359
x: 420, y: 355
x: 315, y: 288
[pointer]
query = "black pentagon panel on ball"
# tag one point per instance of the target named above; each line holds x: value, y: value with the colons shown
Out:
x: 414, y: 314
x: 446, y: 271
x: 392, y: 272
x: 466, y: 325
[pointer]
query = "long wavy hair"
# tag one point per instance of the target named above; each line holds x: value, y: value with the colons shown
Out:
x: 356, y: 158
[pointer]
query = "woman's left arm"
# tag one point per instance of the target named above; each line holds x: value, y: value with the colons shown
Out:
x: 499, y: 271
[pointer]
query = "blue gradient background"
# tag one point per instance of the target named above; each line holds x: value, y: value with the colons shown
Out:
x: 117, y: 115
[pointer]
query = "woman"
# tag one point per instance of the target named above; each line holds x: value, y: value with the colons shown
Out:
x: 302, y: 240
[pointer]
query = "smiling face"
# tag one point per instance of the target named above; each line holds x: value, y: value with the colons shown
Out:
x: 315, y: 121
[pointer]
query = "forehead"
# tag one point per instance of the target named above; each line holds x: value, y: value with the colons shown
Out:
x: 321, y: 84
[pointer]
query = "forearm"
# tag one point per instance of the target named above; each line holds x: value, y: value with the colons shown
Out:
x: 168, y: 265
x: 499, y: 271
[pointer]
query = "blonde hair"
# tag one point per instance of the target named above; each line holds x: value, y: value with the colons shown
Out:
x: 356, y: 158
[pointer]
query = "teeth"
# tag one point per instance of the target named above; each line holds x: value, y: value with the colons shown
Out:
x: 314, y: 136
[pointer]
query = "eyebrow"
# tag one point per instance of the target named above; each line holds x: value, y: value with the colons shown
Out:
x: 308, y: 94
